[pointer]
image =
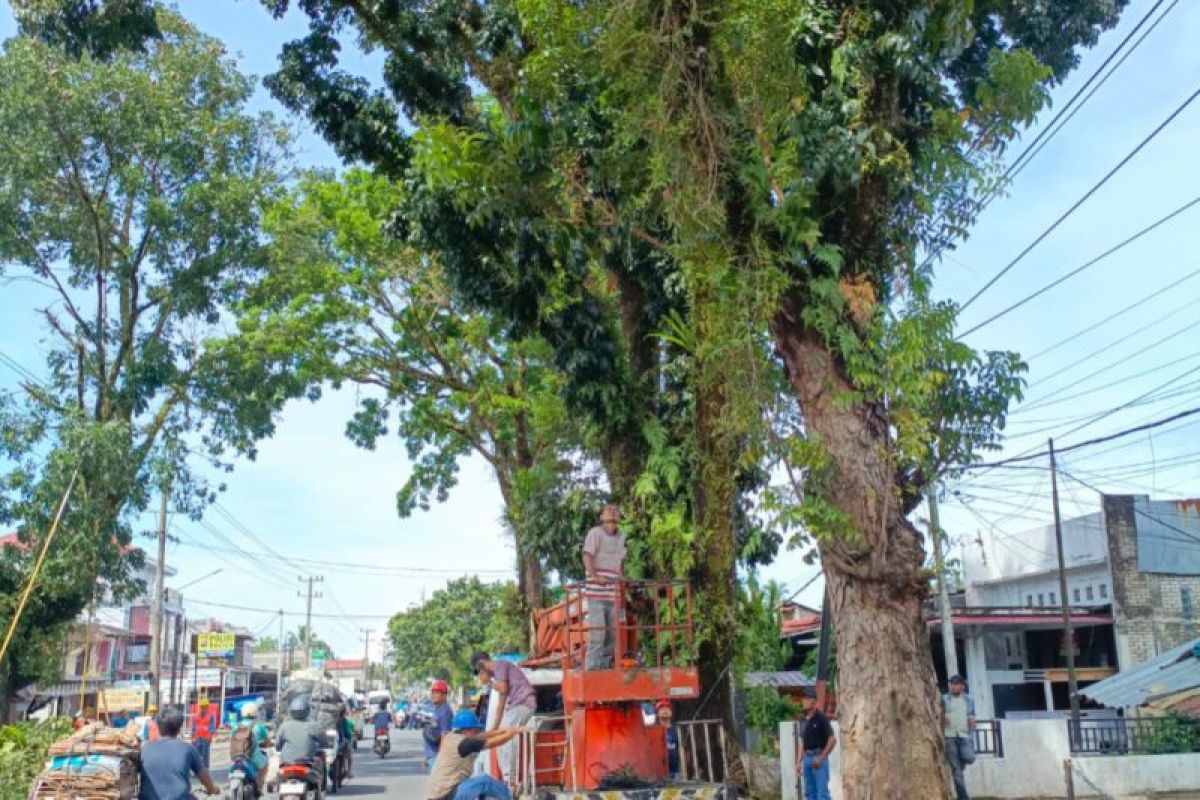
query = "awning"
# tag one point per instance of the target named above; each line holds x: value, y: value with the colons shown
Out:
x: 70, y: 688
x: 1170, y: 673
x: 1025, y: 618
x: 789, y: 679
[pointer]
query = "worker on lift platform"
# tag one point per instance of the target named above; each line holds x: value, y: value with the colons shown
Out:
x: 604, y: 569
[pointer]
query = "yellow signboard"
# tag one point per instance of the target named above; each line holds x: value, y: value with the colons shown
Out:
x: 216, y: 645
x: 113, y: 700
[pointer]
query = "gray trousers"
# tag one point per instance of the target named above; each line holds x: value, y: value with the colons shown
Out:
x: 954, y: 748
x: 601, y: 624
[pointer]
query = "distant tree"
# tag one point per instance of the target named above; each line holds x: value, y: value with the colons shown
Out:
x: 267, y: 644
x: 131, y: 191
x: 437, y: 639
x: 317, y: 644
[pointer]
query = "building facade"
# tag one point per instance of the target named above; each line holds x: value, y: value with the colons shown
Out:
x: 1133, y: 573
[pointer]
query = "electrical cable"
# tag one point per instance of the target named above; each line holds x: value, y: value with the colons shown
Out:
x: 1082, y: 267
x: 1050, y: 130
x: 1119, y: 312
x: 1021, y: 162
x: 1188, y: 389
x: 277, y: 611
x: 1189, y: 535
x: 1170, y: 337
x: 1083, y: 199
x: 1088, y: 443
x: 1134, y: 401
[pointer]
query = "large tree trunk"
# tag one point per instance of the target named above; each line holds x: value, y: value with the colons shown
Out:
x: 888, y: 704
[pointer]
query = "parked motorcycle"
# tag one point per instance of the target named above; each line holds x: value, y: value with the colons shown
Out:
x: 383, y: 742
x: 300, y: 780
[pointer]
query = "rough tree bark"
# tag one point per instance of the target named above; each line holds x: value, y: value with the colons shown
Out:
x: 714, y: 578
x: 888, y: 703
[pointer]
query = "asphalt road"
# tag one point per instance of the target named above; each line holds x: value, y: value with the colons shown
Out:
x: 397, y: 776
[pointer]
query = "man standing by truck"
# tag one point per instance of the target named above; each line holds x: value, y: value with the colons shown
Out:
x: 604, y: 569
x: 515, y: 704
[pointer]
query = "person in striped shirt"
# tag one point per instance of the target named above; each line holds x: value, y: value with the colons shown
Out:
x: 604, y: 568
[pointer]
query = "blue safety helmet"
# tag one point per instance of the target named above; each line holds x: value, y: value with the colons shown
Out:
x: 465, y: 719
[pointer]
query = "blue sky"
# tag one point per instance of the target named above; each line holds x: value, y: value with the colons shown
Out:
x: 311, y: 492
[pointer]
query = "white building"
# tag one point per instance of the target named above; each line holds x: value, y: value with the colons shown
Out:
x: 1133, y: 571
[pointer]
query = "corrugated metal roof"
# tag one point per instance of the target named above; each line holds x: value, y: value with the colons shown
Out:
x: 789, y: 679
x: 1174, y: 671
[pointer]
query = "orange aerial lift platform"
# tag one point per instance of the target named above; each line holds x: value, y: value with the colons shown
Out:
x: 604, y: 744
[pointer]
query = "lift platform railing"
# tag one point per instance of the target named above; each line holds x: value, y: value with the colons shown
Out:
x: 652, y: 623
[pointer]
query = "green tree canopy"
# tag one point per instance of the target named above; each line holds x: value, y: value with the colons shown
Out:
x: 773, y: 170
x: 131, y: 190
x: 436, y: 639
x: 351, y: 303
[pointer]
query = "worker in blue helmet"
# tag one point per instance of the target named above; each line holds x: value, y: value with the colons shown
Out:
x: 452, y: 778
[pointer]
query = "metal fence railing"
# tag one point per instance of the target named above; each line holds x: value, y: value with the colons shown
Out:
x: 1141, y: 736
x: 702, y: 755
x: 989, y: 738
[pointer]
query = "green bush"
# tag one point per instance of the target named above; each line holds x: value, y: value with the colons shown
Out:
x: 23, y: 753
x: 765, y: 709
x: 1172, y: 734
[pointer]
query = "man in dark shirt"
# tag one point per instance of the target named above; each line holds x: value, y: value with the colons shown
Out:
x: 817, y: 742
x: 167, y: 765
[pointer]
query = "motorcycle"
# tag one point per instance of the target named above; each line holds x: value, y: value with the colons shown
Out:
x: 242, y: 780
x: 383, y: 742
x: 333, y: 757
x: 300, y: 780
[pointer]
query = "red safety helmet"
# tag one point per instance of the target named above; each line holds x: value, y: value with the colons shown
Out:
x: 661, y: 704
x: 440, y: 686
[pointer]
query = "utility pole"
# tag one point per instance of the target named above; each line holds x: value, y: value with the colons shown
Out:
x: 366, y: 661
x: 1068, y: 634
x: 949, y: 647
x: 175, y: 663
x: 310, y: 580
x: 279, y: 660
x: 156, y: 611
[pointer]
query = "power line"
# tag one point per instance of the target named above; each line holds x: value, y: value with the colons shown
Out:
x: 1086, y: 196
x: 1172, y: 336
x: 1188, y: 534
x: 1090, y: 442
x: 1082, y: 267
x: 1049, y: 131
x: 299, y: 614
x: 1134, y: 401
x: 1119, y: 312
x: 1054, y: 126
x: 368, y: 570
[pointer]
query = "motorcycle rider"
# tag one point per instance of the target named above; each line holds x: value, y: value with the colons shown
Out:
x: 166, y: 765
x: 300, y: 739
x: 382, y: 718
x: 259, y: 734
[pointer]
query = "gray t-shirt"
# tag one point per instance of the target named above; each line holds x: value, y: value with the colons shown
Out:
x: 297, y: 739
x: 520, y: 692
x: 608, y: 551
x: 167, y: 767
